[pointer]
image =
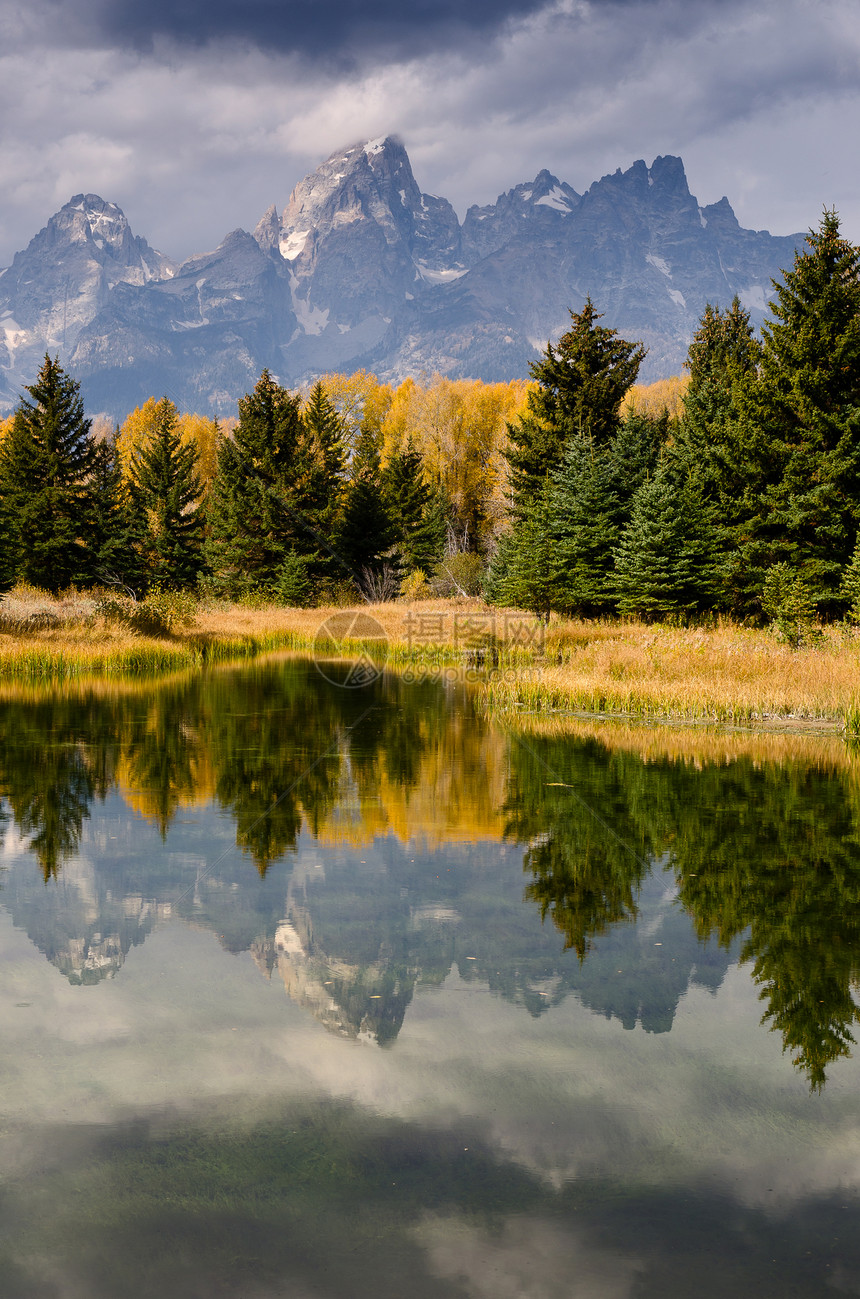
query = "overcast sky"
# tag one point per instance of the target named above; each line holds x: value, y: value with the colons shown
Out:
x: 195, y: 115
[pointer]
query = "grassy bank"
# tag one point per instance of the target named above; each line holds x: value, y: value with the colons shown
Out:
x: 724, y: 674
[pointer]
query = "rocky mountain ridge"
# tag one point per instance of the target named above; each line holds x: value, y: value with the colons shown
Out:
x: 363, y: 269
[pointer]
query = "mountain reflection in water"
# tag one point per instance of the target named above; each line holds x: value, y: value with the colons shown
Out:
x: 361, y: 842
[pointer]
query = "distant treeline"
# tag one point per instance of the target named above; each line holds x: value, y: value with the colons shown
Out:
x: 351, y: 488
x: 735, y: 489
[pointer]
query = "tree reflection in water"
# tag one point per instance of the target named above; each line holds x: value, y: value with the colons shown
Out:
x: 760, y: 855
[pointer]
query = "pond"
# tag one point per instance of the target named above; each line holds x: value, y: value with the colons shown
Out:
x: 324, y: 990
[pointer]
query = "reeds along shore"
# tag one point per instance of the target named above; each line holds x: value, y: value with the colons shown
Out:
x: 720, y: 674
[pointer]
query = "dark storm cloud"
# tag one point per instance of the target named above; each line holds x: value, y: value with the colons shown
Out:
x: 344, y: 30
x: 195, y: 117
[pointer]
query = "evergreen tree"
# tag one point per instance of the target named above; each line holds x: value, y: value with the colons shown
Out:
x: 415, y: 509
x: 8, y: 544
x: 165, y: 491
x: 522, y: 571
x: 849, y: 590
x: 265, y: 495
x: 635, y: 453
x: 590, y: 501
x: 45, y: 463
x: 799, y: 422
x: 368, y: 532
x: 586, y: 517
x: 295, y: 585
x: 116, y: 529
x: 579, y: 386
x: 722, y: 360
x: 664, y: 563
x: 328, y: 450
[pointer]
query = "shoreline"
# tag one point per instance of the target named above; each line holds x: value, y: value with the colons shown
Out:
x: 622, y: 671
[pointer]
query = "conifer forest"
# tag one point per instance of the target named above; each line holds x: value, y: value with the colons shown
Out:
x: 562, y: 495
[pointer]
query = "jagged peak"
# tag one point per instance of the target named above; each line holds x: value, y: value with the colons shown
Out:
x: 668, y: 172
x: 721, y: 214
x: 268, y: 229
x: 93, y: 203
x: 666, y: 176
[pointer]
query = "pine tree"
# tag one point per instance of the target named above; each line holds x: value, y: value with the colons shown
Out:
x: 580, y: 384
x: 849, y: 588
x: 116, y: 529
x: 295, y: 584
x: 799, y: 421
x: 328, y: 450
x: 522, y: 571
x: 590, y: 501
x: 8, y: 542
x: 166, y: 491
x: 585, y: 516
x: 45, y: 463
x: 664, y: 563
x: 265, y: 493
x: 414, y: 509
x: 368, y: 532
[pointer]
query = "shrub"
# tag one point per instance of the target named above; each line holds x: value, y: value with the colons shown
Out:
x: 294, y: 585
x: 459, y: 574
x: 161, y: 613
x: 788, y: 603
x: 415, y: 586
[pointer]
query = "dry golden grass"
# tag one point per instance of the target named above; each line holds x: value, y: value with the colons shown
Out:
x: 726, y: 674
x: 722, y: 674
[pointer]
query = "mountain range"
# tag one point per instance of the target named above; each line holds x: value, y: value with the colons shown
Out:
x: 362, y: 269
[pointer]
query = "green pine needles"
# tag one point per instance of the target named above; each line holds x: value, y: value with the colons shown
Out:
x: 748, y: 505
x: 165, y: 495
x: 45, y: 466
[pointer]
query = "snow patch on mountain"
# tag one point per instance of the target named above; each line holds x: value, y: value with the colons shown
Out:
x: 291, y: 247
x: 659, y: 263
x: 754, y: 297
x: 312, y: 320
x: 555, y: 199
x: 442, y: 275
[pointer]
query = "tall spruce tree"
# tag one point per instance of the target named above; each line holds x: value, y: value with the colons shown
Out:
x: 368, y: 532
x: 710, y: 445
x: 265, y: 495
x: 522, y: 571
x: 45, y: 464
x: 799, y: 421
x: 415, y: 509
x: 116, y: 529
x: 579, y: 386
x: 585, y: 516
x: 326, y: 479
x: 8, y: 544
x: 166, y: 492
x: 664, y: 563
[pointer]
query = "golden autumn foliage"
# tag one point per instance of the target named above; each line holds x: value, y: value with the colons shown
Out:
x: 360, y: 400
x: 458, y: 425
x: 202, y: 432
x: 653, y: 398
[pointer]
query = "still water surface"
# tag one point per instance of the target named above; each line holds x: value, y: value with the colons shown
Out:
x: 309, y: 992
